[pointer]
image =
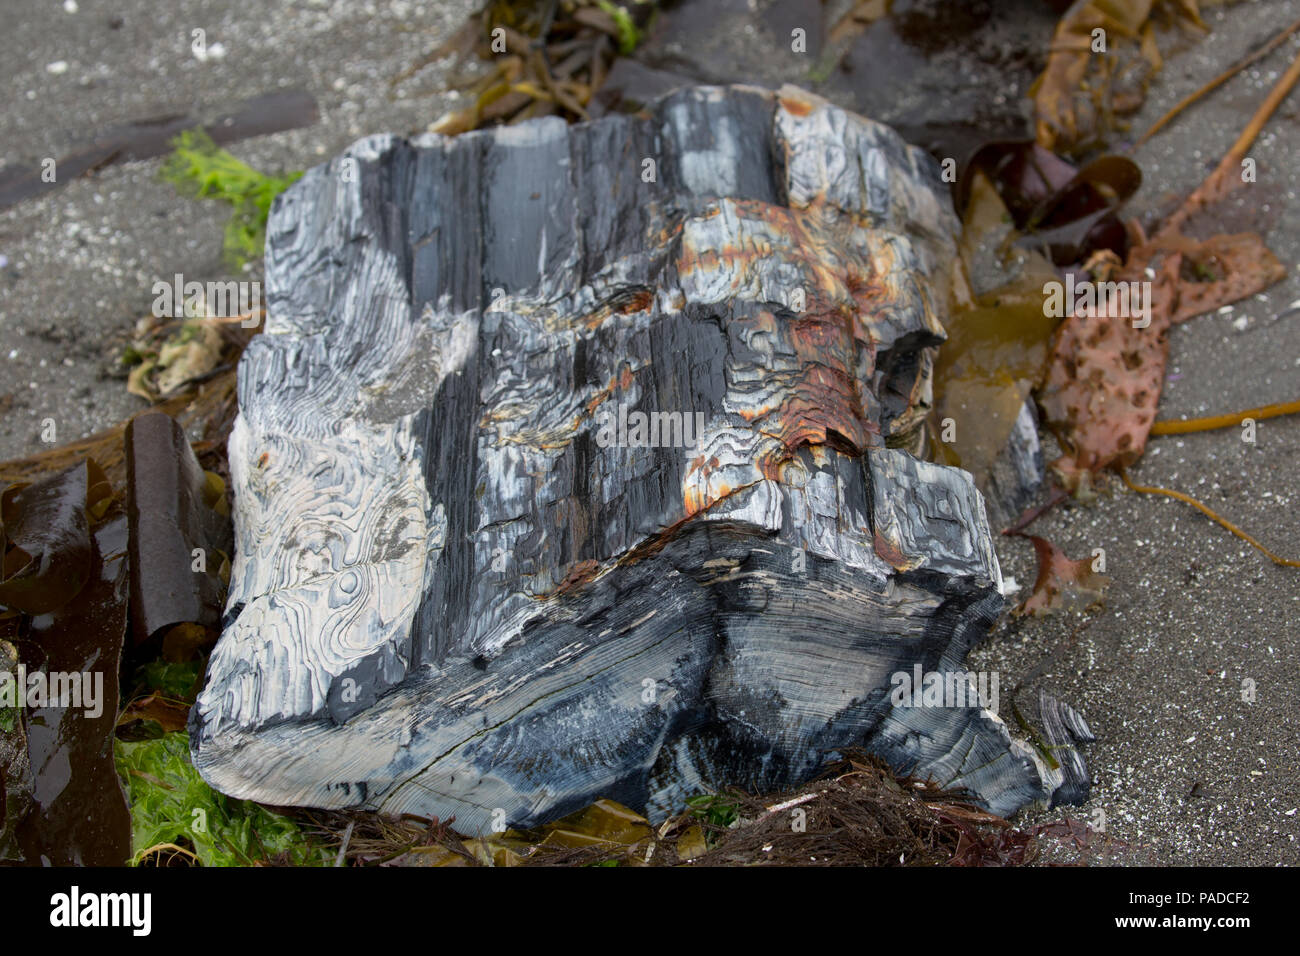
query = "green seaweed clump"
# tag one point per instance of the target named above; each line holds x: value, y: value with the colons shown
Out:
x: 201, y: 169
x: 173, y: 811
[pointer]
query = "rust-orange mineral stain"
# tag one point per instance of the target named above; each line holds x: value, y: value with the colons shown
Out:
x: 638, y: 301
x: 796, y: 106
x: 629, y: 303
x: 891, y: 554
x: 620, y: 383
x: 580, y: 574
x: 809, y: 385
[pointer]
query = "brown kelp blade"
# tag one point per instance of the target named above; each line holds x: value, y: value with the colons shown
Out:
x: 179, y: 541
x: 45, y: 535
x: 64, y: 681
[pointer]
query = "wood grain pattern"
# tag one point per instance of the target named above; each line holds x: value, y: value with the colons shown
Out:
x: 449, y: 597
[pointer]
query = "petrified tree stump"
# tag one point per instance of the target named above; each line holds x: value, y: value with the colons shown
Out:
x: 577, y: 462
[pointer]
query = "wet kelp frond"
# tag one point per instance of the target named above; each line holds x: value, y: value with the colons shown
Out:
x: 63, y: 617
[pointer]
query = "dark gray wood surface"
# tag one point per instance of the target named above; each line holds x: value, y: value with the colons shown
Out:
x: 453, y: 594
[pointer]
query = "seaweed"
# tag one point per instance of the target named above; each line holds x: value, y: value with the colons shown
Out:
x: 173, y: 809
x: 64, y: 584
x: 200, y: 168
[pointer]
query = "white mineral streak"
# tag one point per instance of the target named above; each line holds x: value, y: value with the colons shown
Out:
x: 329, y: 565
x: 707, y: 169
x: 773, y: 261
x: 952, y: 534
x: 333, y: 523
x: 862, y: 168
x: 837, y: 160
x: 823, y: 519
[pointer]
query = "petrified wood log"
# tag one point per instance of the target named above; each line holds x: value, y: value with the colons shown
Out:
x: 574, y: 462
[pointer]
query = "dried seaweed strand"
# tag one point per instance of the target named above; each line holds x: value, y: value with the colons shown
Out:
x: 1149, y: 490
x: 1217, y: 184
x: 171, y: 848
x: 1218, y: 81
x: 1211, y: 422
x: 1032, y: 513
